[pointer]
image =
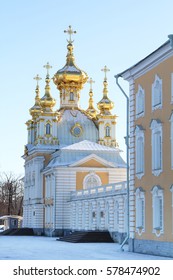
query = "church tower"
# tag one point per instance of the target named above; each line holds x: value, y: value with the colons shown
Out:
x: 63, y: 151
x: 106, y: 121
x: 70, y: 79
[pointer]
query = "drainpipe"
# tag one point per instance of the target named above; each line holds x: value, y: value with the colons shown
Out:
x: 127, y: 156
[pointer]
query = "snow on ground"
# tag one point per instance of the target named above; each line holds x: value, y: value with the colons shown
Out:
x: 47, y: 248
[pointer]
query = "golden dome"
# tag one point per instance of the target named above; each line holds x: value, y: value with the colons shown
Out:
x: 70, y: 73
x: 105, y: 104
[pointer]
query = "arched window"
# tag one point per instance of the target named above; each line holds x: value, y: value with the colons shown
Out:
x: 156, y: 143
x: 171, y: 138
x: 91, y: 180
x: 48, y: 127
x: 140, y: 210
x: 157, y: 93
x: 157, y: 203
x: 139, y: 132
x: 108, y: 131
x: 140, y: 101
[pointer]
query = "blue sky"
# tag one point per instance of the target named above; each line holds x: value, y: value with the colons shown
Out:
x: 113, y: 33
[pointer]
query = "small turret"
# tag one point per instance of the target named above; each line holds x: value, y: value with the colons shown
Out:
x: 36, y: 109
x: 105, y: 104
x: 47, y: 101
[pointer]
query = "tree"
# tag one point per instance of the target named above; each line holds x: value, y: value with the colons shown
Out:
x: 11, y: 194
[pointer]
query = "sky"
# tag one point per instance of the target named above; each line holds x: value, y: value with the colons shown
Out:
x: 113, y: 33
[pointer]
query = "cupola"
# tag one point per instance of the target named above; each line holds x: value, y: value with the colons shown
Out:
x: 105, y: 104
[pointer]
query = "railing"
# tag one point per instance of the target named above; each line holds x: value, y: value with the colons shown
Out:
x: 100, y: 191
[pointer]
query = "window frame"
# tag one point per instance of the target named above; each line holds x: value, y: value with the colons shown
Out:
x: 140, y: 152
x: 140, y: 100
x: 171, y: 138
x: 158, y: 221
x: 156, y: 142
x: 157, y: 81
x: 140, y: 205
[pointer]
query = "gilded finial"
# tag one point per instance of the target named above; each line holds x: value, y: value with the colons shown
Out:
x: 91, y: 82
x: 91, y: 110
x: 105, y: 70
x: 70, y: 32
x: 37, y: 78
x: 47, y: 66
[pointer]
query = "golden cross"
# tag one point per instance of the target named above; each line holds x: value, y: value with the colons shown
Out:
x: 105, y: 69
x: 37, y: 78
x: 70, y: 32
x: 47, y: 66
x: 91, y: 82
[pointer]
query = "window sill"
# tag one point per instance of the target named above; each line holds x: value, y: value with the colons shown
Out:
x: 156, y: 172
x: 140, y: 115
x: 140, y: 175
x: 159, y: 106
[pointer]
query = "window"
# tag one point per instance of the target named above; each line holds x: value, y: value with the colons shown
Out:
x: 139, y: 132
x: 157, y: 204
x: 171, y: 138
x: 71, y: 96
x: 140, y: 210
x: 156, y: 143
x: 91, y: 180
x: 116, y: 215
x: 171, y: 189
x: 48, y: 128
x: 171, y: 87
x: 140, y: 101
x: 157, y: 93
x: 108, y: 131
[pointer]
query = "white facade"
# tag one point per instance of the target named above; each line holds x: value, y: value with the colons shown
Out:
x: 71, y: 149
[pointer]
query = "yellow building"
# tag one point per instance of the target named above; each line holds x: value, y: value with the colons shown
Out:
x: 151, y: 152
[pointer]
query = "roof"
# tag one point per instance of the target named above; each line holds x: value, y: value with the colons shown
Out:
x: 86, y: 145
x: 157, y: 54
x: 69, y: 155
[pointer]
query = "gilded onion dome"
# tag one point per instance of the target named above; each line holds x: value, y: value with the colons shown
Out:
x: 70, y: 74
x: 91, y: 110
x: 36, y: 109
x: 105, y: 104
x: 47, y: 101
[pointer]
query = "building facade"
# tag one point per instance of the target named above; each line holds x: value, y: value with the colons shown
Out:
x: 71, y: 150
x: 151, y: 152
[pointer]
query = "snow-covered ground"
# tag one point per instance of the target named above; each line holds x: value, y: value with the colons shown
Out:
x: 46, y: 248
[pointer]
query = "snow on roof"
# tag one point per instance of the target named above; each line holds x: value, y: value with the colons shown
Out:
x: 86, y: 145
x: 11, y: 216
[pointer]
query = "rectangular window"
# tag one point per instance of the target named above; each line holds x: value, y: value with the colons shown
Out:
x: 171, y: 138
x: 158, y: 213
x: 171, y: 87
x: 140, y: 213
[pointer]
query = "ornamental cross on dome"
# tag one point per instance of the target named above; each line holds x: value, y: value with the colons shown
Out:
x: 91, y: 82
x: 70, y: 32
x: 47, y: 66
x: 37, y: 78
x: 105, y: 69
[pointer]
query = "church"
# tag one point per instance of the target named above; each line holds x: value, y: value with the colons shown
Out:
x: 74, y: 173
